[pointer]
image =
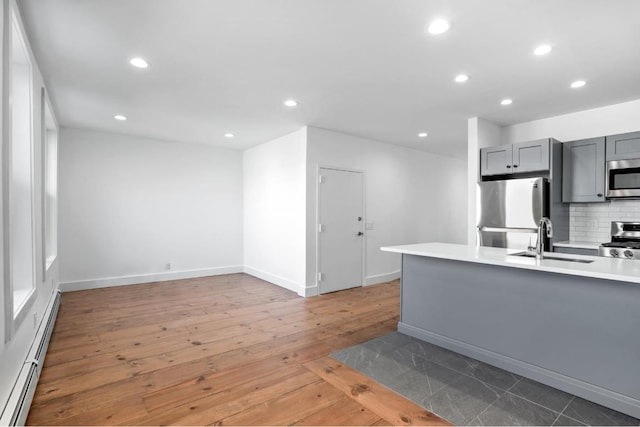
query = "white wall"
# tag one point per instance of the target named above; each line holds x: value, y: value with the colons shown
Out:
x: 588, y: 222
x: 15, y: 346
x: 411, y: 196
x: 481, y: 133
x: 274, y: 211
x: 128, y: 206
x: 609, y: 120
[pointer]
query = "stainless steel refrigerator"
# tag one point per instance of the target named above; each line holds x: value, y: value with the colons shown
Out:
x: 510, y: 210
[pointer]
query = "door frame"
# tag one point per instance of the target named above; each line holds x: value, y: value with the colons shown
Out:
x: 363, y: 250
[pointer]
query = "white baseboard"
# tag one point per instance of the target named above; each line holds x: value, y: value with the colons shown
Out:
x: 381, y: 278
x: 147, y: 278
x: 370, y: 280
x: 299, y: 289
x: 311, y: 291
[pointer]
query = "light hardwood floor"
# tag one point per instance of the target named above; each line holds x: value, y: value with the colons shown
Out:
x: 223, y: 350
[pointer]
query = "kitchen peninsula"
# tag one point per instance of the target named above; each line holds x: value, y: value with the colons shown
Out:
x: 569, y: 324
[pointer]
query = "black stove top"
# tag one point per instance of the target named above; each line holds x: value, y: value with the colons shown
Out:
x: 626, y: 245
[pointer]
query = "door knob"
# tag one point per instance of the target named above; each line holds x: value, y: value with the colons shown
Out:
x: 360, y: 233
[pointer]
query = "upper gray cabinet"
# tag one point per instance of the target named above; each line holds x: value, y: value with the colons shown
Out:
x: 529, y: 156
x: 583, y: 170
x: 496, y: 160
x: 624, y: 146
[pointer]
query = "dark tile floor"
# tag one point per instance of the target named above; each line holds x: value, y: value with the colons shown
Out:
x: 465, y: 391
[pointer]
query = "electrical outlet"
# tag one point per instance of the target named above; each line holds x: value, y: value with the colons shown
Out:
x: 168, y: 266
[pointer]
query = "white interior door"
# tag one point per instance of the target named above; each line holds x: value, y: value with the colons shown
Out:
x: 340, y: 229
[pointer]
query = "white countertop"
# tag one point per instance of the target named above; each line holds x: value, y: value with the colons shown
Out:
x: 577, y: 244
x: 601, y: 267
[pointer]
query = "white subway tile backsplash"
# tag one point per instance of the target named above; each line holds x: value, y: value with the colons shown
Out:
x: 591, y: 222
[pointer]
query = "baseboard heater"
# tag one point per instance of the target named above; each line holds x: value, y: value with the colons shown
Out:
x: 17, y: 408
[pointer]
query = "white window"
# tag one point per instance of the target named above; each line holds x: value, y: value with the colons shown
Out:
x: 20, y: 258
x: 50, y: 183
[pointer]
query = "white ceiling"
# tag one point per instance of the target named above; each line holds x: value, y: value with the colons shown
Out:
x: 363, y: 67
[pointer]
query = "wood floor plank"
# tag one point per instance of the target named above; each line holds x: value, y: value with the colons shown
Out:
x: 44, y: 410
x: 344, y: 412
x: 213, y: 382
x: 384, y: 402
x: 382, y: 422
x: 120, y: 412
x: 278, y: 411
x: 234, y: 400
x: 222, y: 349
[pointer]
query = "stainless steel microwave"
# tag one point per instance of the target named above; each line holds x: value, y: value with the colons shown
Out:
x: 623, y: 178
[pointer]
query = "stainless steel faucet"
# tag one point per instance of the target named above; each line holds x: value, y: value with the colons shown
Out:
x: 544, y: 223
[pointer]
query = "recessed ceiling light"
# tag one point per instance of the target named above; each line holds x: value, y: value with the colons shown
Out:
x: 461, y: 78
x: 139, y: 63
x: 506, y: 101
x: 229, y: 135
x: 423, y: 134
x: 438, y: 26
x: 578, y: 83
x: 290, y: 103
x: 543, y: 49
x: 120, y: 117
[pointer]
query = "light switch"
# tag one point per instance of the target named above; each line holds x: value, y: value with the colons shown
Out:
x: 368, y: 226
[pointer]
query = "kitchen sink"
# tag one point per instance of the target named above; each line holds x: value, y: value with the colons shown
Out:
x: 555, y: 258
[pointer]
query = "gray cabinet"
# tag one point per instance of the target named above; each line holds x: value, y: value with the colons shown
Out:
x: 624, y: 146
x: 529, y: 156
x: 583, y: 167
x: 496, y: 160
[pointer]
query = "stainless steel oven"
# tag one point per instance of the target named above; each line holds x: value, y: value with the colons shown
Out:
x: 625, y: 241
x: 623, y: 178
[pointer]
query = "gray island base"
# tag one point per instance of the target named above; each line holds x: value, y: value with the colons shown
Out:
x: 575, y: 333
